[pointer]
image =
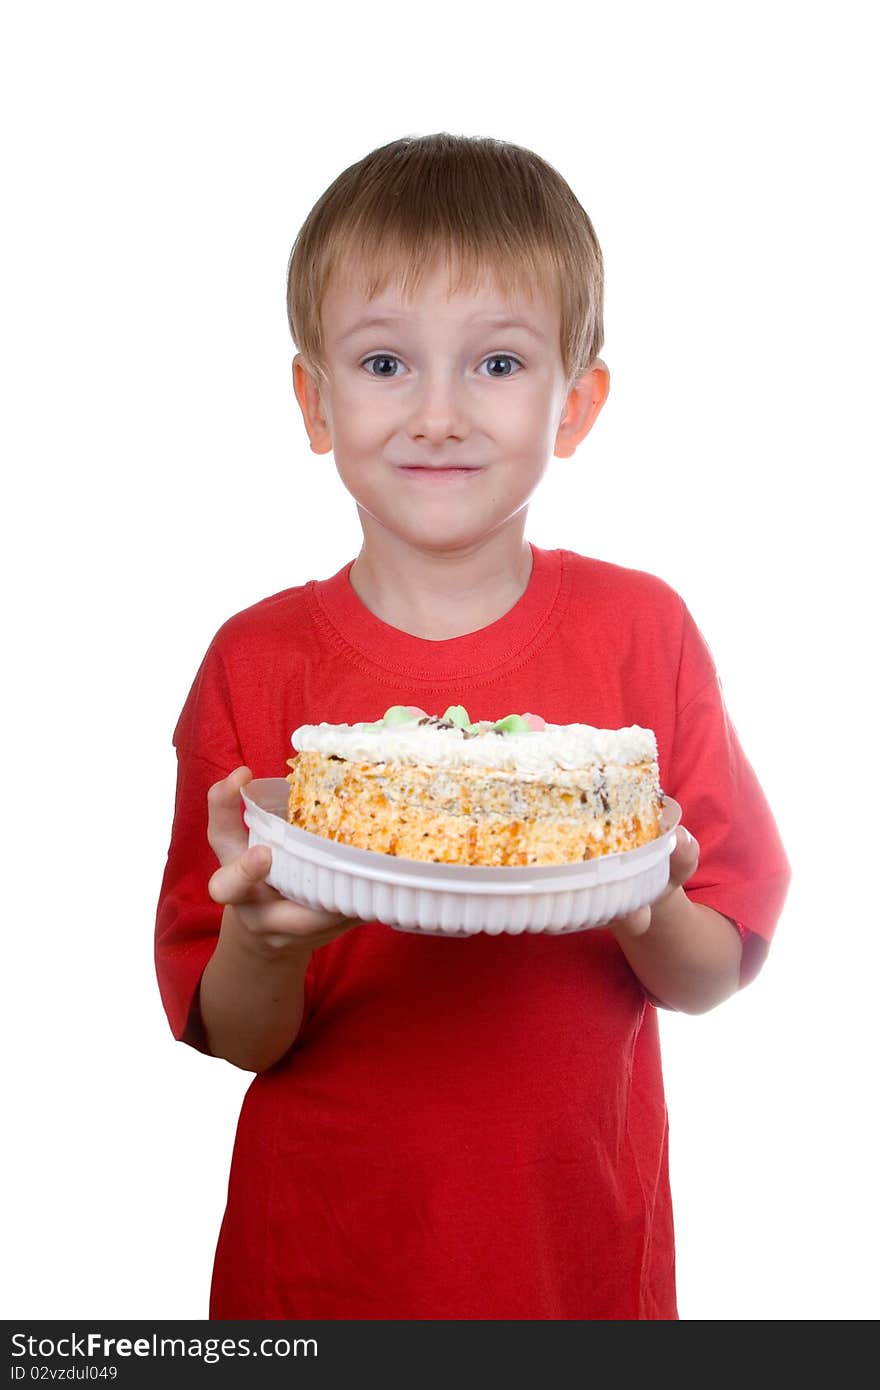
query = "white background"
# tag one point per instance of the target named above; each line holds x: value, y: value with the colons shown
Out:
x: 157, y: 164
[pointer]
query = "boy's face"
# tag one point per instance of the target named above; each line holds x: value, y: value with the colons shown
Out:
x: 442, y: 423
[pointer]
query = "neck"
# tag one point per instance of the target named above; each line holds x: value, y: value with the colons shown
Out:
x: 438, y: 595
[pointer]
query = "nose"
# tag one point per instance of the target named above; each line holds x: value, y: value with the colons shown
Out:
x: 438, y: 409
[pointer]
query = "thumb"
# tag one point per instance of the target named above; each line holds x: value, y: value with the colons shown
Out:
x: 684, y: 858
x: 226, y: 833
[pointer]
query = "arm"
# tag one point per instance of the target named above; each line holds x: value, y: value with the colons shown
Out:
x: 685, y: 954
x: 251, y: 993
x: 251, y: 996
x: 687, y: 950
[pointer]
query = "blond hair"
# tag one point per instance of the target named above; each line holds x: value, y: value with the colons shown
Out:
x: 494, y: 208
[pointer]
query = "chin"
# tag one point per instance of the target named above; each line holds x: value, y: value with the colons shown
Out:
x: 441, y: 540
x: 429, y: 529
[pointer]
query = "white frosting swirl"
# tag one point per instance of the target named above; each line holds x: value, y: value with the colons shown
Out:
x: 536, y: 752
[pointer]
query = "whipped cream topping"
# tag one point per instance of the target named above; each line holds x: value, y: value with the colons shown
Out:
x: 536, y: 751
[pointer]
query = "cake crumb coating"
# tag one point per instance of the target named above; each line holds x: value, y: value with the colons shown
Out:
x: 462, y: 814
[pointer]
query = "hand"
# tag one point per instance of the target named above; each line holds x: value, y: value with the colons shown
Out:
x: 271, y: 922
x: 682, y: 864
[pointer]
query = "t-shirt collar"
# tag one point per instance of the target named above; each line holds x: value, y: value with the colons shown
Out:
x: 474, y: 654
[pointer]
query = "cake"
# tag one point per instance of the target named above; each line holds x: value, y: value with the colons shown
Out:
x: 450, y: 791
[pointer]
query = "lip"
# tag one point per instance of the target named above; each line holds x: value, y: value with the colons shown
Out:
x: 424, y: 470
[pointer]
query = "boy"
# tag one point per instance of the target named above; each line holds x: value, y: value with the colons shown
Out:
x: 445, y: 1128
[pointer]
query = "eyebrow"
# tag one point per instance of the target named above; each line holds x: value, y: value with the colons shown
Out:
x: 490, y: 320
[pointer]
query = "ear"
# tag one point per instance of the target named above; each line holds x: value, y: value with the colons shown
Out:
x: 308, y: 394
x: 583, y: 403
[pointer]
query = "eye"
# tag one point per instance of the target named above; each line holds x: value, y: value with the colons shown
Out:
x: 380, y: 357
x: 502, y: 357
x: 386, y: 357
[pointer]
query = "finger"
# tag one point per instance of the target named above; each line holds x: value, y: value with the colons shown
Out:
x: 226, y: 833
x: 313, y: 939
x: 240, y: 880
x: 632, y: 923
x: 279, y: 914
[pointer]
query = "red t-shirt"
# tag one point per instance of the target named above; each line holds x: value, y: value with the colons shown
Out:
x: 464, y: 1128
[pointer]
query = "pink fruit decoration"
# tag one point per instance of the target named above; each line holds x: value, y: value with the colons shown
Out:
x: 535, y: 722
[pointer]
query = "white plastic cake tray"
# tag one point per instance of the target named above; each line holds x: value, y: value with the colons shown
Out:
x: 452, y: 899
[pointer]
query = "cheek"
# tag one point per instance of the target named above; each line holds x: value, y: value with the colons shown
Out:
x: 358, y: 475
x: 362, y: 417
x: 523, y: 411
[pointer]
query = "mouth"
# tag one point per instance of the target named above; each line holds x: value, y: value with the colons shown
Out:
x: 418, y: 470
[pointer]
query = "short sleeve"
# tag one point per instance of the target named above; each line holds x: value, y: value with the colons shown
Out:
x: 743, y: 871
x: 187, y: 919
